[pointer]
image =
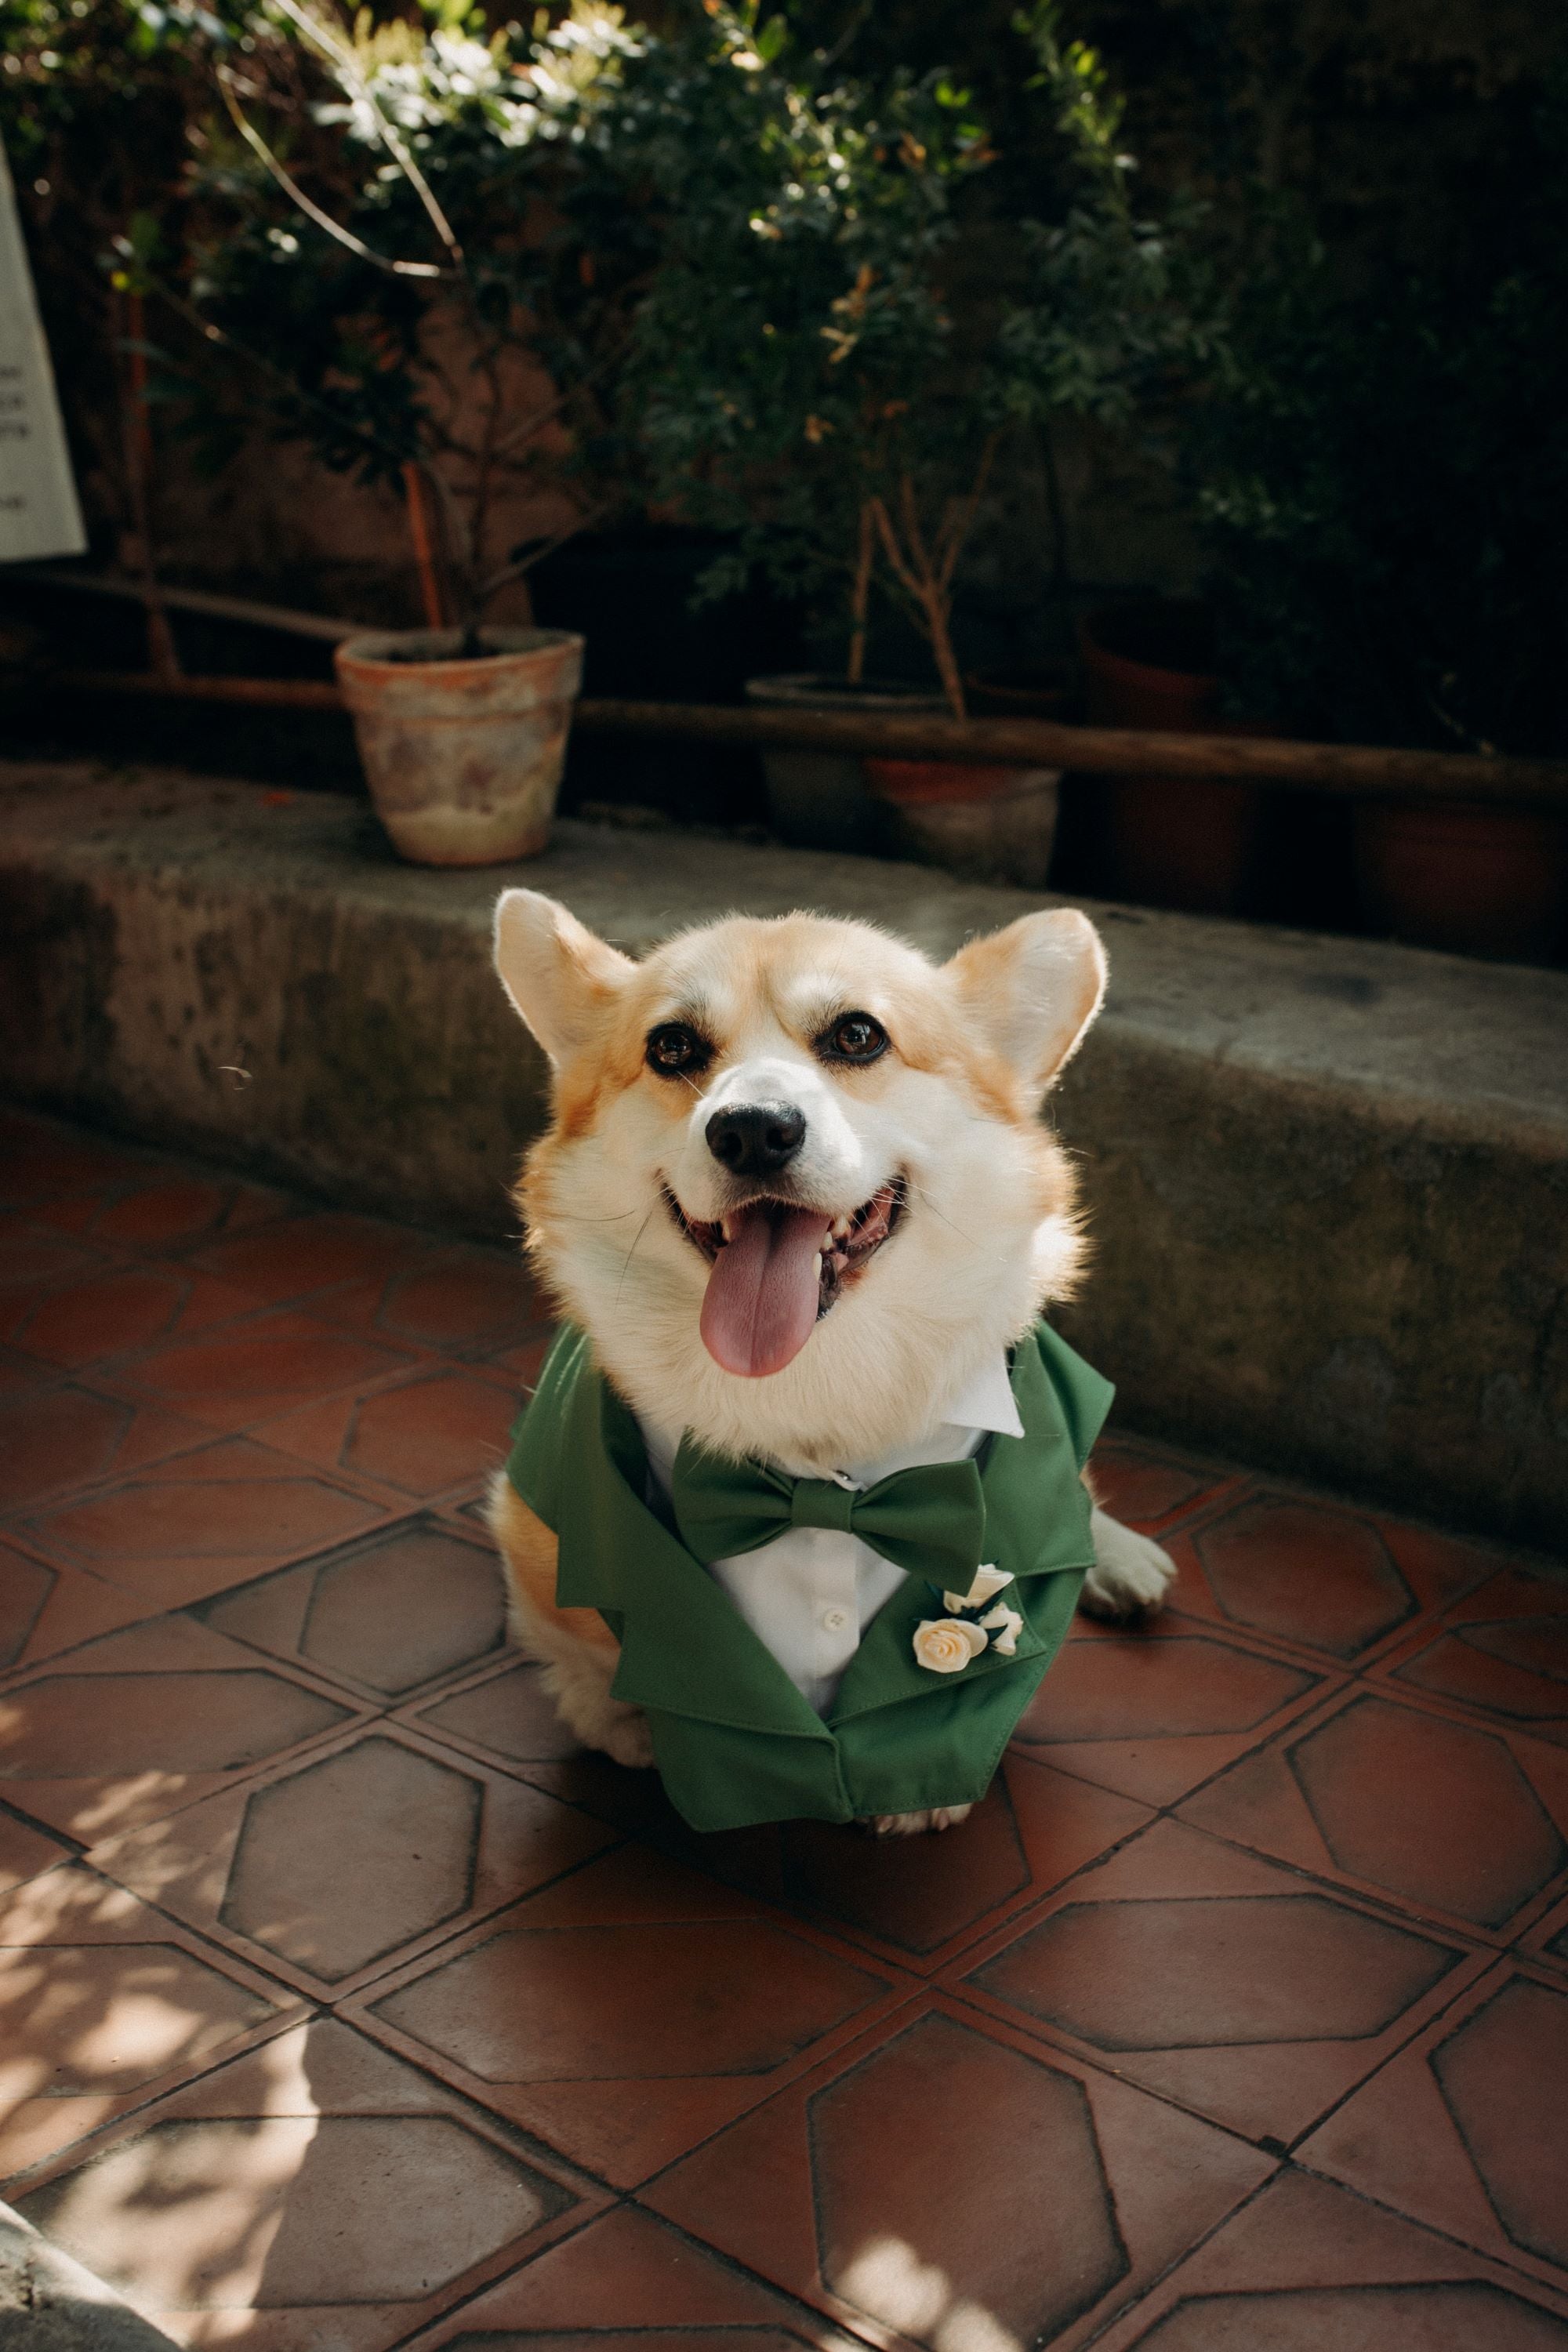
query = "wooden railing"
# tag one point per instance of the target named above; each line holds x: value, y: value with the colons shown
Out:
x: 1357, y: 770
x: 1354, y: 770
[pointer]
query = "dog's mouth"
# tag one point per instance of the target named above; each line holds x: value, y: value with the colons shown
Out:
x: 777, y: 1269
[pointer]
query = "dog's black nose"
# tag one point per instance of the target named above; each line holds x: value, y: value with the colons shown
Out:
x: 756, y: 1138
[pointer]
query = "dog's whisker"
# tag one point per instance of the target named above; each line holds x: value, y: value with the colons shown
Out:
x: 565, y: 1218
x: 925, y: 1199
x: 631, y: 1255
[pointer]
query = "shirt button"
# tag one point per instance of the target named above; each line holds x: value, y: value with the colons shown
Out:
x: 834, y: 1620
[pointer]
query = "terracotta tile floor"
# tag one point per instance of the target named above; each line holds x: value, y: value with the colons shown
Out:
x: 345, y: 2004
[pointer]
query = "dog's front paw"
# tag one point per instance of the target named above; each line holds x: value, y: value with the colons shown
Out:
x: 627, y: 1739
x: 580, y: 1686
x: 939, y: 1817
x: 1129, y: 1573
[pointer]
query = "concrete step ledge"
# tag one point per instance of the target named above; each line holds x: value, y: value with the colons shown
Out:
x: 1328, y: 1178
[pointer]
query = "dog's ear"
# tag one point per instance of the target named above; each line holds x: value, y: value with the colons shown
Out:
x: 1033, y: 990
x: 558, y: 975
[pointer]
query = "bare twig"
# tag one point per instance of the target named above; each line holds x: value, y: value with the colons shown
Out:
x: 137, y: 432
x: 296, y: 195
x: 907, y: 590
x: 891, y: 550
x: 344, y: 57
x: 453, y: 534
x: 861, y: 598
x: 530, y: 425
x: 912, y: 566
x: 911, y: 521
x: 484, y: 470
x: 963, y: 512
x: 418, y: 531
x: 537, y: 554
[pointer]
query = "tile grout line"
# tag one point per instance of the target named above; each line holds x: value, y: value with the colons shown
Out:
x: 1129, y: 2309
x: 1436, y: 2229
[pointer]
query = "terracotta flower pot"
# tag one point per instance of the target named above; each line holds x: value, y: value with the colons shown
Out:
x: 984, y: 822
x: 463, y: 758
x: 1461, y: 875
x: 1185, y: 842
x: 818, y: 800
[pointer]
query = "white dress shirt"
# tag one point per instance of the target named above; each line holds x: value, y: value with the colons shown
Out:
x: 810, y: 1594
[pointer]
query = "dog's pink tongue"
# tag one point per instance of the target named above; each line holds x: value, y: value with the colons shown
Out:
x: 762, y: 1294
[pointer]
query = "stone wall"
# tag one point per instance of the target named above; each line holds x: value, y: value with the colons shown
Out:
x: 1326, y: 1178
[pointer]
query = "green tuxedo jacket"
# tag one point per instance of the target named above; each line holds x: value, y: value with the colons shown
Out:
x: 735, y: 1741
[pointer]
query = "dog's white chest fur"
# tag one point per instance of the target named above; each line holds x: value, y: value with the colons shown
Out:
x: 809, y: 1595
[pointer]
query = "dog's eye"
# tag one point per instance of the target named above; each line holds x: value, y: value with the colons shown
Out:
x: 674, y: 1051
x: 854, y: 1038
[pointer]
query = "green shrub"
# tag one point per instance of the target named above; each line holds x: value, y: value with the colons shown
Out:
x: 818, y: 364
x: 399, y: 216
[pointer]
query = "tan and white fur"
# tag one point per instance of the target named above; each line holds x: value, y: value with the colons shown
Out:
x: 987, y: 1236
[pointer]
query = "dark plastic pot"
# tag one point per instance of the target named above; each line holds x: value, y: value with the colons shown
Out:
x: 984, y: 822
x: 1185, y: 842
x: 818, y: 800
x: 1465, y: 877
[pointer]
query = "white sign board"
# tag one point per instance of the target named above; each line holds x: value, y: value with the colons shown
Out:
x: 38, y: 510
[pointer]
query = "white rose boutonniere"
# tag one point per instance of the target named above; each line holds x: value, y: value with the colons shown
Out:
x: 944, y: 1646
x: 1004, y: 1626
x: 988, y: 1582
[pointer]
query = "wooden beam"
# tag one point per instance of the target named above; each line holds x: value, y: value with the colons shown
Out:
x: 1347, y: 770
x: 1358, y: 771
x: 281, y: 617
x: 271, y: 693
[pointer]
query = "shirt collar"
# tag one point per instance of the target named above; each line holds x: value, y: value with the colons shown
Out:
x: 987, y: 1402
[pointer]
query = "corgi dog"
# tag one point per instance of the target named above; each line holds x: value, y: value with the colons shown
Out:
x: 797, y: 1195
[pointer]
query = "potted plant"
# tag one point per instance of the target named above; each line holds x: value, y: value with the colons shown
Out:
x: 1116, y: 317
x: 1102, y: 320
x: 1381, y: 476
x: 821, y: 372
x: 411, y: 262
x: 786, y: 351
x: 1194, y: 842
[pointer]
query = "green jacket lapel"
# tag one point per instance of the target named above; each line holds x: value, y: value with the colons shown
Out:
x: 1037, y: 1523
x: 884, y: 1669
x: 1036, y: 1512
x: 685, y: 1648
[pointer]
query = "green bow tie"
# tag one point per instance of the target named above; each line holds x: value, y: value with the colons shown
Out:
x: 929, y: 1521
